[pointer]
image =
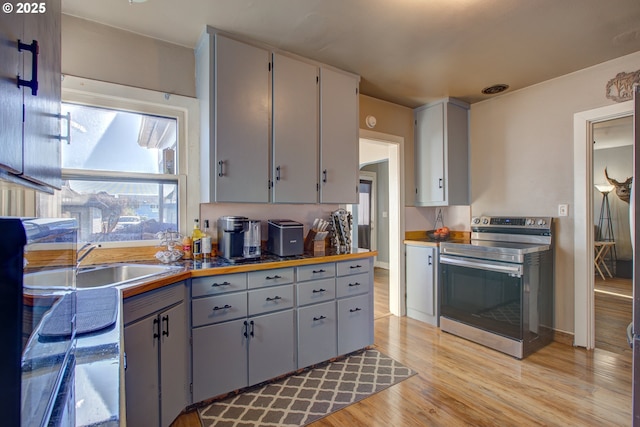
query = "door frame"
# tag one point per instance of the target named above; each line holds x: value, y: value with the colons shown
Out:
x: 371, y: 176
x: 583, y: 238
x: 395, y: 147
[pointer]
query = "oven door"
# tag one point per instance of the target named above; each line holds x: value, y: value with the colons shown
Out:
x: 483, y: 294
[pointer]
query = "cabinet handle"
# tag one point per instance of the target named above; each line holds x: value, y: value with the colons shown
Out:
x: 440, y: 183
x: 165, y: 331
x: 315, y: 291
x: 215, y: 284
x: 66, y: 117
x: 354, y: 284
x: 355, y: 266
x: 252, y: 328
x: 277, y: 173
x: 430, y: 260
x: 276, y: 298
x: 319, y: 271
x: 216, y: 308
x: 220, y: 166
x: 156, y: 328
x: 324, y: 176
x: 353, y: 310
x: 246, y: 329
x: 315, y: 319
x: 35, y: 50
x: 273, y: 277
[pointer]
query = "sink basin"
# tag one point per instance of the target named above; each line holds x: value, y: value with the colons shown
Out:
x: 96, y: 277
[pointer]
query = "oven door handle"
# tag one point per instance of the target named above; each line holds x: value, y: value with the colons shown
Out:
x: 514, y: 270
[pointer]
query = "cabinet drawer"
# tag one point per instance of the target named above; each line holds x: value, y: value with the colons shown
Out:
x: 352, y: 285
x: 276, y: 276
x: 316, y: 271
x: 316, y: 291
x: 213, y: 285
x: 218, y: 308
x: 317, y: 334
x: 352, y: 267
x: 270, y: 299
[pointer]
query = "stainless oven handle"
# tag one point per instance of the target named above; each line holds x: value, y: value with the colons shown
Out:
x: 499, y: 267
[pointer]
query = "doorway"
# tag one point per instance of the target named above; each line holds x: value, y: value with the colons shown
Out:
x: 367, y: 210
x: 584, y: 230
x: 376, y: 147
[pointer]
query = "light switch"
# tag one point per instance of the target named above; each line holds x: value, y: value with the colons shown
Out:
x: 563, y: 210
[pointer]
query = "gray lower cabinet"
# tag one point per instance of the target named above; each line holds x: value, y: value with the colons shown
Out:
x: 317, y: 333
x: 355, y: 304
x: 157, y: 356
x: 271, y: 346
x: 422, y: 283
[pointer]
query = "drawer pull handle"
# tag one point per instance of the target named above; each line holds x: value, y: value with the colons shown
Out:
x: 273, y: 277
x: 165, y: 332
x: 216, y: 308
x: 355, y: 266
x: 319, y: 271
x: 315, y: 291
x: 315, y: 319
x: 276, y: 298
x: 354, y: 284
x: 215, y: 285
x: 353, y: 310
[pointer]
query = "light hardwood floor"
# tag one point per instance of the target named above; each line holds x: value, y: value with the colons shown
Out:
x: 613, y: 312
x: 460, y: 383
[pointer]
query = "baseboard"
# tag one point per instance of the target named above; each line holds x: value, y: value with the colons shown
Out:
x: 381, y: 264
x: 563, y: 337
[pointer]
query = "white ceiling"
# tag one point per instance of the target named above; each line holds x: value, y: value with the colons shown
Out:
x: 407, y: 51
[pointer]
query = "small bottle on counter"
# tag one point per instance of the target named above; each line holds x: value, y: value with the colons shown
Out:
x: 186, y: 247
x: 196, y: 238
x: 206, y: 242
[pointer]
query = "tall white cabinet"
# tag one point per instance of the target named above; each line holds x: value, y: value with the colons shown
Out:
x: 422, y: 283
x: 442, y: 153
x: 30, y: 116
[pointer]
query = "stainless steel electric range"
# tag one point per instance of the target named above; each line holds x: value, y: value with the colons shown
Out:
x: 497, y: 290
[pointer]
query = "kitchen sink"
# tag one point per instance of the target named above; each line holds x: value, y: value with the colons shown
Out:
x: 97, y: 276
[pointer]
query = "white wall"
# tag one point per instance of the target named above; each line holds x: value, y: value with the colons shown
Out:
x: 522, y: 157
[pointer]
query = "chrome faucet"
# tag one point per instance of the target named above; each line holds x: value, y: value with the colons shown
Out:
x: 87, y: 248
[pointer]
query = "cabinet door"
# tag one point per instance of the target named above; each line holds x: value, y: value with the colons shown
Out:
x: 271, y: 346
x: 429, y: 154
x: 141, y: 375
x: 295, y: 131
x: 317, y: 334
x: 11, y: 99
x: 354, y: 320
x: 339, y: 141
x: 240, y: 122
x: 421, y: 284
x: 42, y: 112
x: 174, y: 358
x: 219, y: 359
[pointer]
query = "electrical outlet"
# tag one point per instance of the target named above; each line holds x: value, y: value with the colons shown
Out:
x: 563, y: 210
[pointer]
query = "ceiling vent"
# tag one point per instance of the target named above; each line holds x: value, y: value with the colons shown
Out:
x: 492, y: 90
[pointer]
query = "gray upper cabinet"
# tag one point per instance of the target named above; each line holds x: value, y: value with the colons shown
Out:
x: 233, y: 85
x: 339, y: 138
x: 442, y: 153
x: 30, y: 116
x: 295, y: 130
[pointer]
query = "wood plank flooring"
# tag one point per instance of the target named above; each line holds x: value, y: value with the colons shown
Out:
x: 381, y: 293
x: 613, y: 312
x: 460, y: 383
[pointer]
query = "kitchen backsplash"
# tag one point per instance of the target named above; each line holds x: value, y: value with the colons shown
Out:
x: 455, y: 217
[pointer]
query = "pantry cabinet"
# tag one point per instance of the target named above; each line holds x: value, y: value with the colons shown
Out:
x: 339, y: 139
x: 156, y: 345
x: 233, y: 85
x: 422, y: 283
x: 297, y: 118
x: 442, y: 153
x: 30, y: 115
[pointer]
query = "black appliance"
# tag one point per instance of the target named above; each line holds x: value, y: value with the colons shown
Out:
x: 285, y: 237
x: 497, y: 290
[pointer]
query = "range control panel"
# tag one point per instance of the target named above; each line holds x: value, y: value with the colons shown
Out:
x: 510, y: 222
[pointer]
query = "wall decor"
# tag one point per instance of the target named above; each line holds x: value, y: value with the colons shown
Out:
x: 620, y: 88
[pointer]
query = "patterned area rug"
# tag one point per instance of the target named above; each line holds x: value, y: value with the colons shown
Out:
x: 310, y: 395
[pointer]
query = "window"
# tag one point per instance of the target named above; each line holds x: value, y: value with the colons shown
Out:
x: 120, y: 170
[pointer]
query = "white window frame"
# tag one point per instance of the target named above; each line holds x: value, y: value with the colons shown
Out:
x: 118, y: 97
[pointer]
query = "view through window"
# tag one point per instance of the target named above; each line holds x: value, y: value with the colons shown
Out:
x: 119, y: 173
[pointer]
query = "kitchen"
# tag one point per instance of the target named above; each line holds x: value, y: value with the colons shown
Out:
x: 512, y: 136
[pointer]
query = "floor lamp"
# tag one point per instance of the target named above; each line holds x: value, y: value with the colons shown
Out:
x: 605, y: 227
